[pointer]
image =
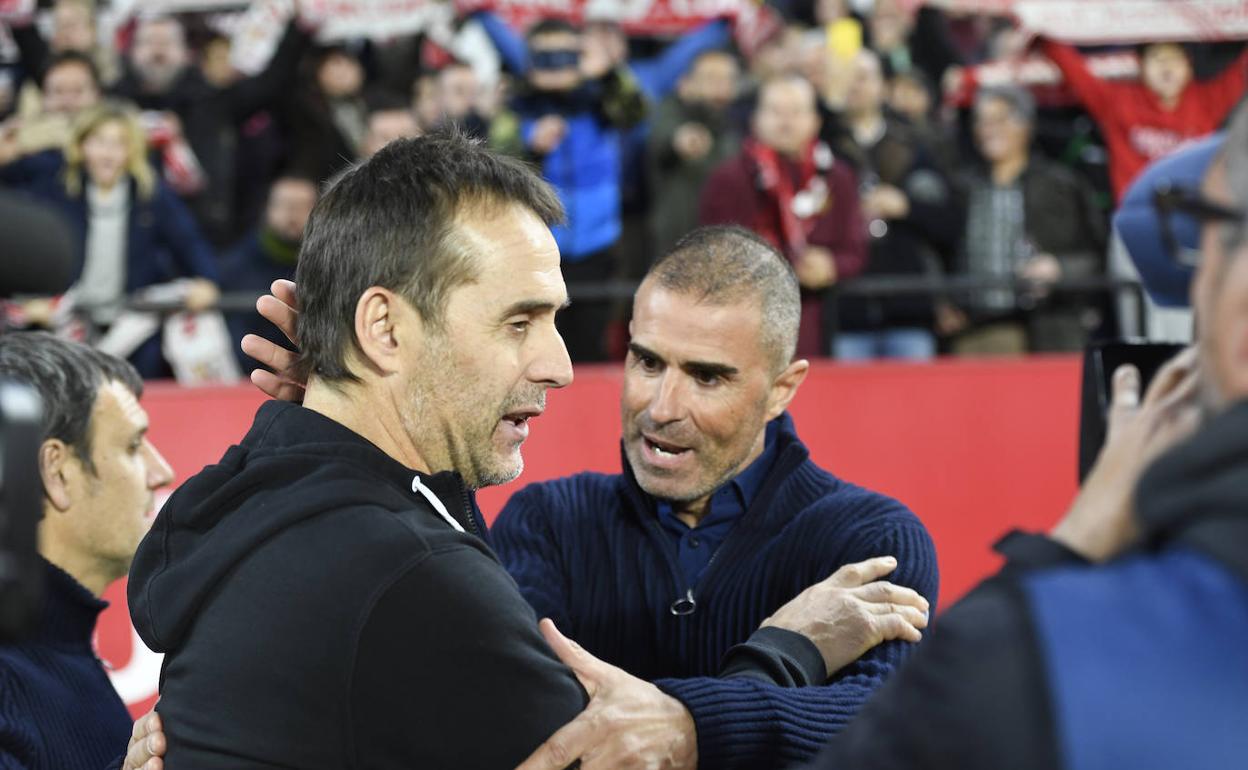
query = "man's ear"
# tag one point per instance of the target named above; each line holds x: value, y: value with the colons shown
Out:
x: 386, y: 328
x: 55, y: 457
x: 785, y: 386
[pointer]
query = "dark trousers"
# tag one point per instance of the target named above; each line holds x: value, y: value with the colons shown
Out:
x: 583, y: 324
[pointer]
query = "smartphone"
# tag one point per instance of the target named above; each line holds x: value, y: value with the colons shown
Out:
x: 844, y: 38
x: 1100, y: 360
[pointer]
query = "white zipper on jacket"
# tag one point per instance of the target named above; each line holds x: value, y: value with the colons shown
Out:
x: 417, y: 486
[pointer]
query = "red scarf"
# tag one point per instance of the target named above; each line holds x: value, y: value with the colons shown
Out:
x: 799, y: 209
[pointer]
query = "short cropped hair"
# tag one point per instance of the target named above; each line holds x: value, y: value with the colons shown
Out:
x: 67, y: 376
x: 390, y: 222
x: 1019, y: 100
x: 726, y: 264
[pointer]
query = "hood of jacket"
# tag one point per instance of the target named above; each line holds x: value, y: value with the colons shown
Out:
x: 293, y: 465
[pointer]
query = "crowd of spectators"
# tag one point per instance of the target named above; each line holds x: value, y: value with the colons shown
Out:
x: 840, y: 139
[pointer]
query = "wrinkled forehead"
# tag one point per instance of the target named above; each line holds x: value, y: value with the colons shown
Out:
x: 116, y: 410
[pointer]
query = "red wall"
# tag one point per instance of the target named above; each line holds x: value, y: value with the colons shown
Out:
x: 973, y: 448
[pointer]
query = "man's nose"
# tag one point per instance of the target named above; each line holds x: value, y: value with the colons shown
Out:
x: 159, y: 474
x: 668, y: 403
x: 551, y: 367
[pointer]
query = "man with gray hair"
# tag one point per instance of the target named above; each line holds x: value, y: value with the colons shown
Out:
x: 723, y: 564
x: 99, y: 475
x: 1028, y: 219
x: 1118, y: 641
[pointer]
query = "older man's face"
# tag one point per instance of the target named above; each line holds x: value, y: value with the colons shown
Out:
x: 159, y: 53
x: 696, y: 397
x: 1220, y: 298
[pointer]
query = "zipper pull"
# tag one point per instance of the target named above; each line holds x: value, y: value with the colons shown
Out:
x: 685, y: 605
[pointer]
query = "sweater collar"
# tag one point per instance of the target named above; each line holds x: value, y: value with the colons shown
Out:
x: 1197, y: 493
x: 785, y: 451
x: 70, y: 611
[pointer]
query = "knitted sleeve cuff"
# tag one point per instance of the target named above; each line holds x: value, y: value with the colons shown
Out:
x: 776, y: 656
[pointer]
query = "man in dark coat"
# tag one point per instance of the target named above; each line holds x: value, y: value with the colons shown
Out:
x: 161, y: 79
x: 99, y: 475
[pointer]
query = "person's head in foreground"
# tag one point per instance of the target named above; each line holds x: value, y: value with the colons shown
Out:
x: 429, y: 282
x: 710, y: 362
x: 1220, y: 288
x: 99, y: 471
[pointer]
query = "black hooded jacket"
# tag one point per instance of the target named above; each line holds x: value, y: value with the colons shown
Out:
x: 317, y: 611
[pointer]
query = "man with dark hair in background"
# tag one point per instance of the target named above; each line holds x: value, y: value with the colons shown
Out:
x: 913, y: 219
x: 269, y: 253
x: 70, y: 84
x: 690, y: 135
x: 160, y: 79
x: 326, y: 585
x: 99, y: 474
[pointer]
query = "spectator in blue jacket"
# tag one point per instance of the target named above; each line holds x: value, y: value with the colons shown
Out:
x: 568, y: 119
x: 617, y: 161
x: 132, y: 231
x: 705, y: 566
x: 269, y: 253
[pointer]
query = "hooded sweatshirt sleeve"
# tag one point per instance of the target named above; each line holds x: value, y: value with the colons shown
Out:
x: 481, y: 664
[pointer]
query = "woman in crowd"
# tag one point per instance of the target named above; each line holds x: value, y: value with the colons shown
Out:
x: 132, y: 231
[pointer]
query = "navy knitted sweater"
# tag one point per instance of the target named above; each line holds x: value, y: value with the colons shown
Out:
x: 587, y: 551
x: 58, y: 709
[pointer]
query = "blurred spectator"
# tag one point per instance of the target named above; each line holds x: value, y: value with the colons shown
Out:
x: 911, y: 97
x: 74, y: 28
x: 70, y: 84
x: 215, y: 64
x: 161, y: 79
x: 1027, y: 218
x: 605, y: 50
x: 269, y: 253
x: 569, y: 119
x: 459, y: 94
x: 427, y: 101
x: 388, y: 119
x: 328, y: 120
x: 912, y: 215
x: 911, y: 39
x: 786, y: 187
x: 131, y: 229
x: 690, y: 136
x: 1142, y: 121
